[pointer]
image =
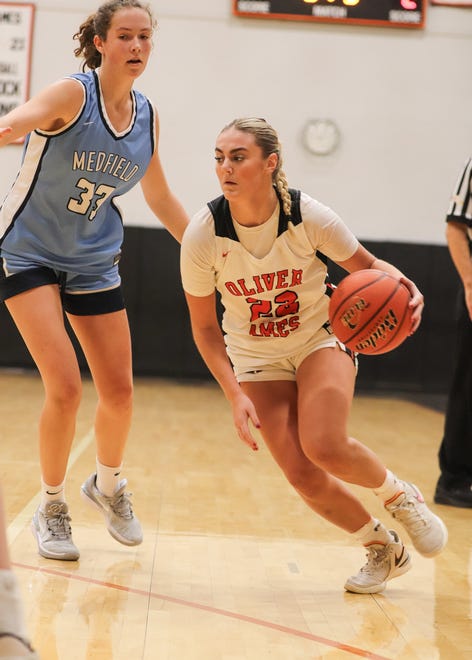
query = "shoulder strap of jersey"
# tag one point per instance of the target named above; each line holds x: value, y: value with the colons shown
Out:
x: 224, y: 227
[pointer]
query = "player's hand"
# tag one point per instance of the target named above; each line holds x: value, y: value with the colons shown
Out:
x: 416, y: 303
x: 243, y: 413
x: 4, y: 131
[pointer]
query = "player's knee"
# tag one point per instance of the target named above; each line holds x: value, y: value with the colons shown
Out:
x: 66, y: 396
x: 118, y: 395
x: 303, y: 477
x: 327, y: 453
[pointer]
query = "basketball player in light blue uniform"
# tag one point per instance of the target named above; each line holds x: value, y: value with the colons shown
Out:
x: 90, y: 138
x: 60, y: 223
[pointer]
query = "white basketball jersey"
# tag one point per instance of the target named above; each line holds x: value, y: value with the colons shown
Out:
x: 272, y: 305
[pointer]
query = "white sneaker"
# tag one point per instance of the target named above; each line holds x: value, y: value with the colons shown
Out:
x: 427, y: 531
x: 53, y: 533
x: 119, y: 517
x: 384, y: 562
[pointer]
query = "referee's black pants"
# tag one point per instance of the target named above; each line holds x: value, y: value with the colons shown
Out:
x: 455, y: 452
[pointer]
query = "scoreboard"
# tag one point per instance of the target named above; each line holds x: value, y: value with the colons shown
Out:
x: 395, y: 13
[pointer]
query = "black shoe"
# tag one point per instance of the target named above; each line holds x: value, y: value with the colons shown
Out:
x: 456, y: 495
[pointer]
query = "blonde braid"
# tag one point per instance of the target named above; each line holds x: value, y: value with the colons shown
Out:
x: 281, y: 184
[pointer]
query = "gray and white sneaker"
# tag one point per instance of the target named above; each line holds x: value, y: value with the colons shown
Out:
x: 53, y: 533
x: 117, y: 510
x: 427, y: 531
x: 384, y: 562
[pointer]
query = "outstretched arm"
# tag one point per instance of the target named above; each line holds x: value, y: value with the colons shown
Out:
x: 49, y: 110
x: 209, y: 340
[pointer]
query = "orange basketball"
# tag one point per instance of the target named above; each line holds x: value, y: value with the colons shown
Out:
x: 369, y: 312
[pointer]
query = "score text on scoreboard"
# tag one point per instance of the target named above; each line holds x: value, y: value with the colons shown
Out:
x: 394, y: 13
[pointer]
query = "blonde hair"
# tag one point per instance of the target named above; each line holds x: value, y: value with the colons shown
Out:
x: 267, y: 139
x: 99, y: 24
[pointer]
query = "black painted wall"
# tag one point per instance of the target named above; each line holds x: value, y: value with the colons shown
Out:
x: 163, y: 345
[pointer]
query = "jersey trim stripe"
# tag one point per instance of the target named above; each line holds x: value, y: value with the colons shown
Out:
x: 224, y: 226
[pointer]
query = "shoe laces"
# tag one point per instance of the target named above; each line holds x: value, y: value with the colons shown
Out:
x: 376, y: 555
x: 408, y: 511
x: 120, y: 504
x: 58, y: 521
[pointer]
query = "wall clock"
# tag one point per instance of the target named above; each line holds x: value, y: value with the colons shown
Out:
x: 321, y: 136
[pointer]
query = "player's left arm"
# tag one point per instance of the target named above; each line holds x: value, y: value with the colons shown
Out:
x: 160, y: 198
x: 362, y: 258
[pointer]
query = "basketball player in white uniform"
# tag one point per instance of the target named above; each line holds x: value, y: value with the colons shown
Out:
x: 263, y: 247
x: 90, y: 138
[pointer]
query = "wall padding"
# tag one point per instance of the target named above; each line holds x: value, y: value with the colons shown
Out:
x: 163, y: 344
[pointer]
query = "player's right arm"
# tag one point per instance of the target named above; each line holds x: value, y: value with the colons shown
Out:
x: 209, y: 340
x: 458, y: 243
x: 49, y: 110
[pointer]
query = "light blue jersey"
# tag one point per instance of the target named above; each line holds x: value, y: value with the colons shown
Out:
x: 61, y: 211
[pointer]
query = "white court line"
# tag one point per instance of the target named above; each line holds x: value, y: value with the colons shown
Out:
x: 23, y: 519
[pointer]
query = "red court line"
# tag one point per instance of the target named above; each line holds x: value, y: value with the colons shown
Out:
x: 214, y: 610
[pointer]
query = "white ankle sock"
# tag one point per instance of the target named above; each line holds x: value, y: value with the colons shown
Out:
x: 51, y: 494
x: 11, y: 611
x: 108, y: 478
x: 390, y: 487
x: 373, y: 532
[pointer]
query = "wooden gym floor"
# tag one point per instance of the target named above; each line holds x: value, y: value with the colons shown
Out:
x: 233, y: 565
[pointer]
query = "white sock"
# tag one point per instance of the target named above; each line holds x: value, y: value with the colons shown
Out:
x: 391, y: 487
x: 11, y: 611
x: 51, y: 494
x: 108, y: 478
x: 373, y: 532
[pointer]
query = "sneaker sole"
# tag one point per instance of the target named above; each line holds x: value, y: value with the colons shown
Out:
x: 51, y: 555
x: 96, y: 505
x: 377, y: 588
x: 439, y: 548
